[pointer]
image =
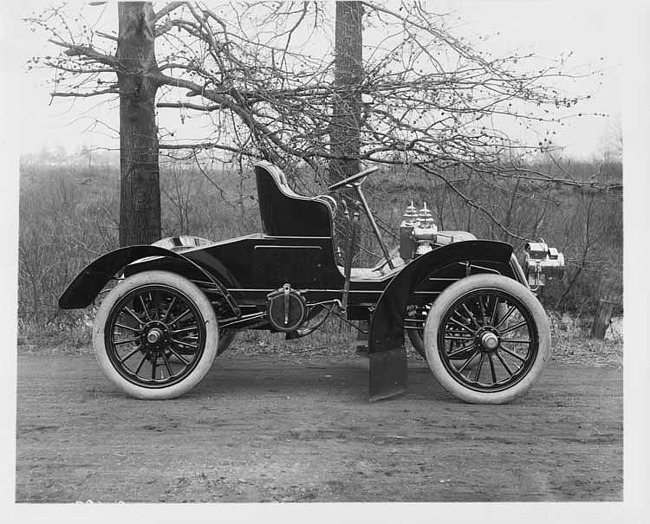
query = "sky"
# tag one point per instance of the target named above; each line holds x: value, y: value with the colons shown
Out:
x: 592, y: 31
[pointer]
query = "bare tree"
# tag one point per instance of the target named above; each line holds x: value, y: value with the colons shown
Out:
x: 611, y: 148
x: 140, y: 178
x: 266, y: 78
x: 345, y: 125
x: 129, y: 63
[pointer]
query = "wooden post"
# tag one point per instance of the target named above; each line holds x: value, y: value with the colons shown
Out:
x: 602, y: 319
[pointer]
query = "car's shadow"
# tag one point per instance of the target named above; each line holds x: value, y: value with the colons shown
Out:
x: 343, y: 380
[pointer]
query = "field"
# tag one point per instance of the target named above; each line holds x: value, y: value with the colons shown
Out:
x: 69, y: 216
x: 278, y: 421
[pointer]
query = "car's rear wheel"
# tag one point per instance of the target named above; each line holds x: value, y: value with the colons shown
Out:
x: 155, y: 335
x: 487, y: 339
x: 416, y: 337
x: 183, y: 243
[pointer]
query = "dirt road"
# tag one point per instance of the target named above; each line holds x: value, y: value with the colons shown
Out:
x: 265, y: 429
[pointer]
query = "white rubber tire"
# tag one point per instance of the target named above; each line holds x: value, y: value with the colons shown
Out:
x: 192, y: 293
x: 499, y: 284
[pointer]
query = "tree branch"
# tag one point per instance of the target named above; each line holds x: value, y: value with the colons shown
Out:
x: 112, y: 91
x: 86, y: 51
x: 107, y: 36
x: 171, y: 6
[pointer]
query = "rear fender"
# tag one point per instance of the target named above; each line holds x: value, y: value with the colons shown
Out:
x: 386, y: 336
x: 87, y: 285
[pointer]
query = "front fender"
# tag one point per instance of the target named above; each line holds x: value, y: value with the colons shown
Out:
x: 387, y: 326
x: 87, y: 284
x: 386, y: 336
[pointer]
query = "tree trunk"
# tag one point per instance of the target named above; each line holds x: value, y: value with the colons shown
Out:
x: 348, y: 74
x: 140, y: 175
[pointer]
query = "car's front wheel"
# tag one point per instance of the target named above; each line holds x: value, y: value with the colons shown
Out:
x: 155, y: 335
x: 487, y: 339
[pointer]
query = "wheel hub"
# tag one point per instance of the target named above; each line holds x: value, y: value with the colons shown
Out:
x: 154, y: 336
x: 489, y: 341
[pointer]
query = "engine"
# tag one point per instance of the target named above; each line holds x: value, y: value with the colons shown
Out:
x: 418, y: 232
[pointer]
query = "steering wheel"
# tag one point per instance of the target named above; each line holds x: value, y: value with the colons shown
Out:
x: 353, y: 178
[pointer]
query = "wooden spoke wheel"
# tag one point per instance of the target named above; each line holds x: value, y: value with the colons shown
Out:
x: 155, y: 335
x: 487, y: 339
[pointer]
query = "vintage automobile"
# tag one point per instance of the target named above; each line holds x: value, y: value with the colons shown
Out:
x: 467, y: 305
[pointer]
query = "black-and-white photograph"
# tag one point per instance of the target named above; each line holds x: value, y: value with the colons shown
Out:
x: 278, y: 256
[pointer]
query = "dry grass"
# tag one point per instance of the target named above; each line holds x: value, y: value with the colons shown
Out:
x: 68, y: 217
x: 572, y: 343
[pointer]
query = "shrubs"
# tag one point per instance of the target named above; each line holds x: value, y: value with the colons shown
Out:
x: 584, y: 223
x: 69, y: 217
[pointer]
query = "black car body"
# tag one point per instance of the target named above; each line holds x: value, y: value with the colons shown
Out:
x: 449, y: 291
